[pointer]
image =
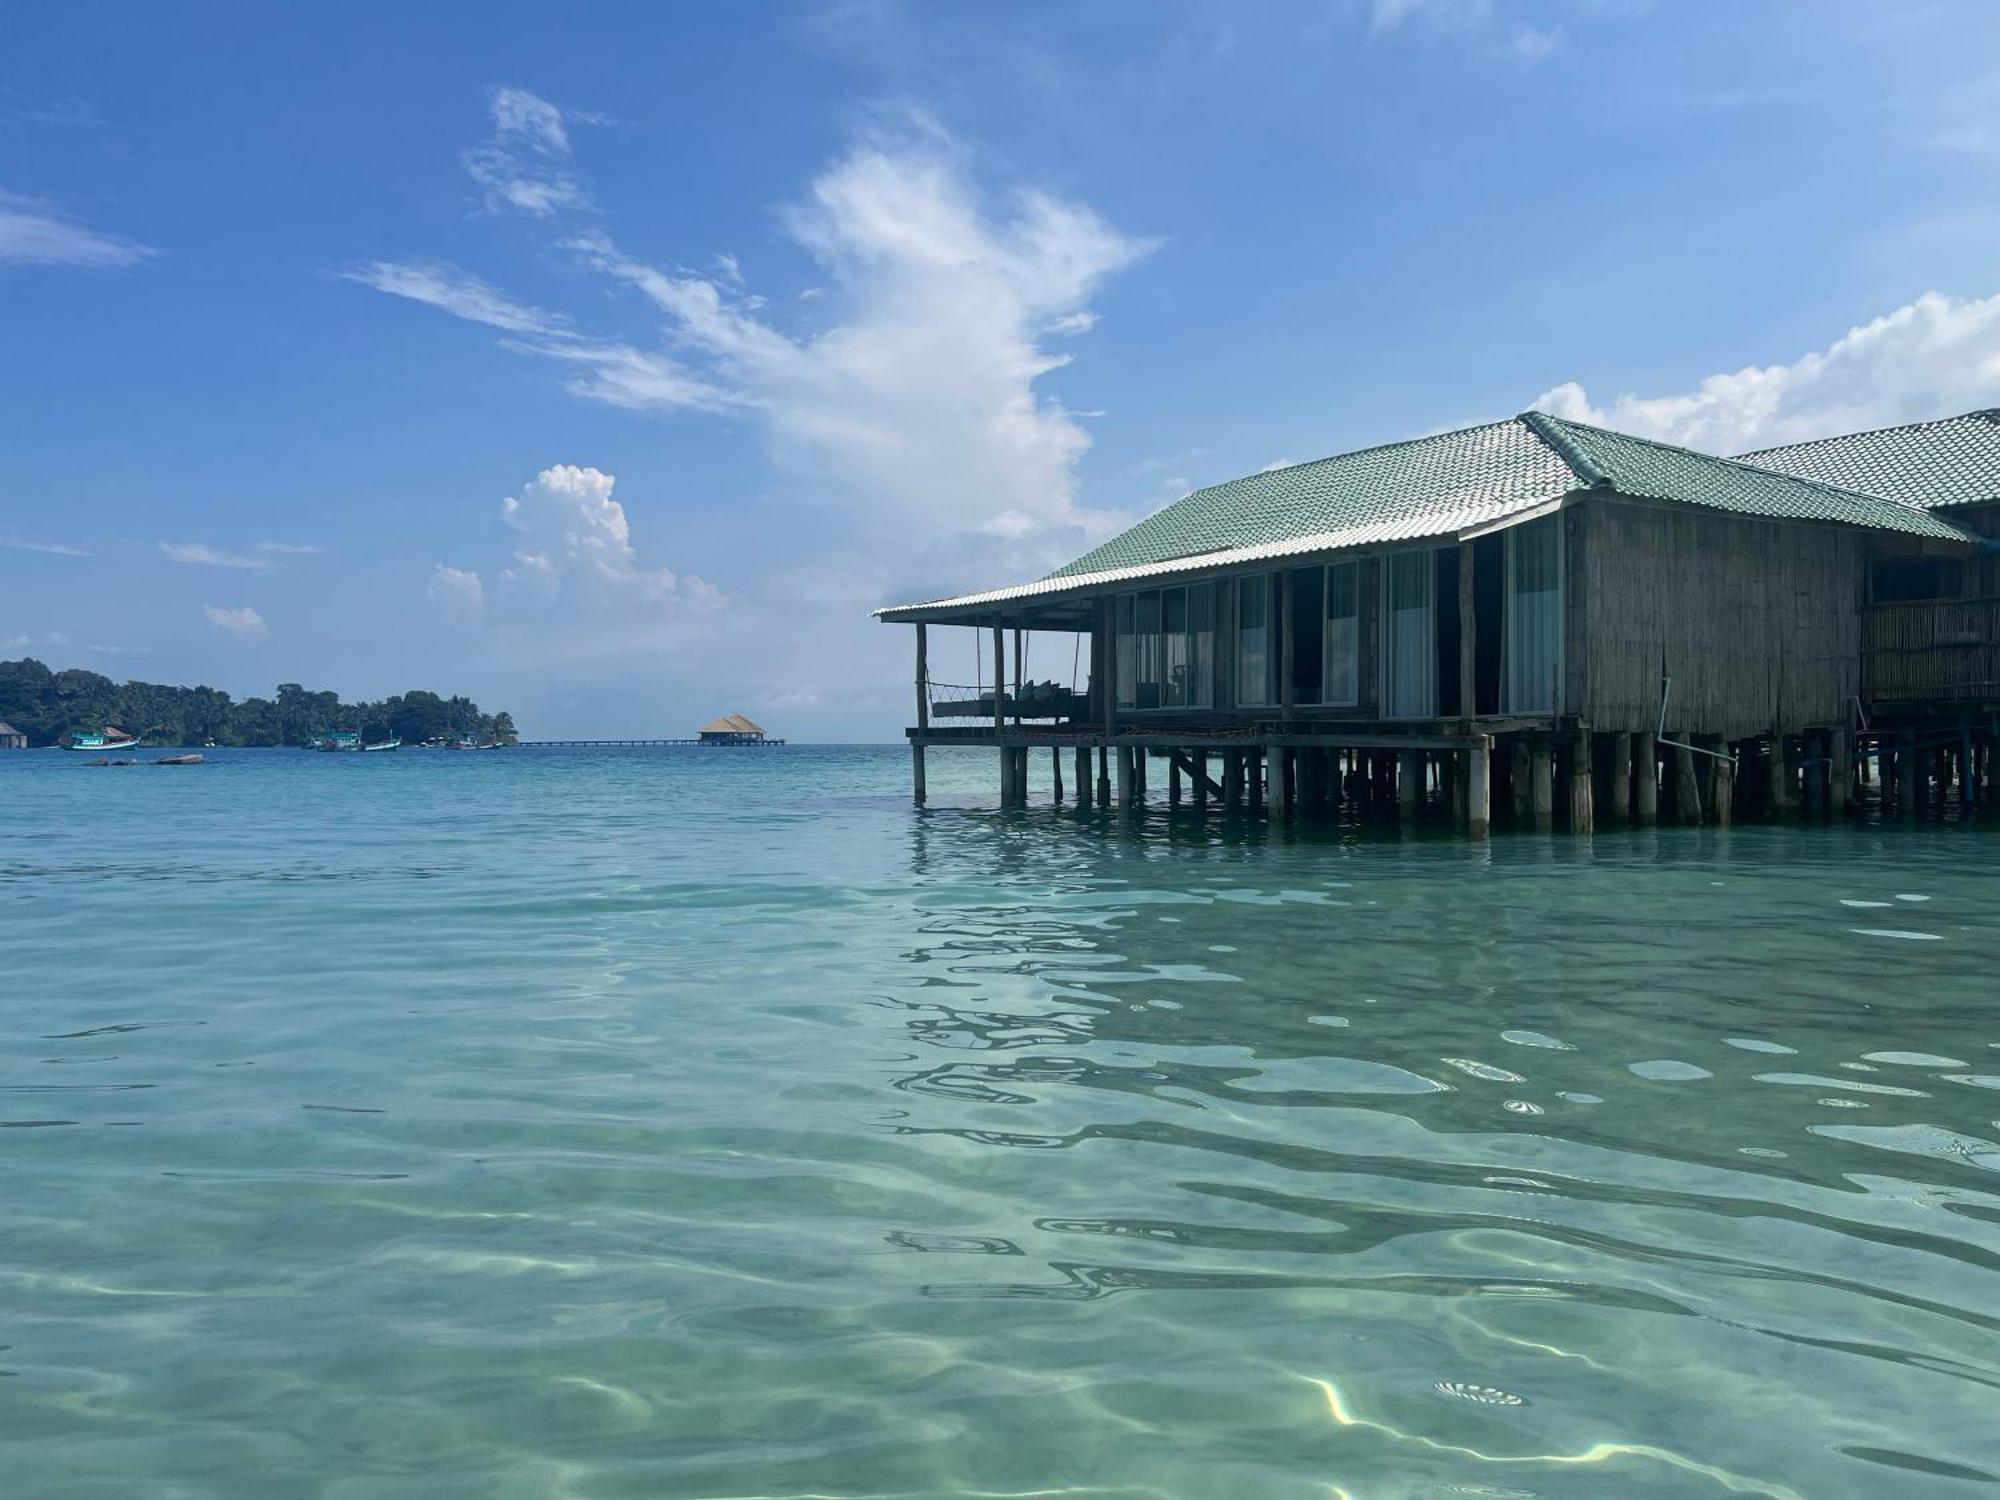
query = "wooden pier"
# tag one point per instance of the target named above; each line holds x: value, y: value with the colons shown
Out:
x: 649, y: 744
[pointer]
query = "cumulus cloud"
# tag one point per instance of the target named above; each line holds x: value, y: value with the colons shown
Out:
x: 456, y: 591
x: 524, y: 167
x: 570, y: 534
x: 916, y: 407
x: 214, y: 557
x: 1933, y: 357
x: 245, y: 623
x: 33, y: 233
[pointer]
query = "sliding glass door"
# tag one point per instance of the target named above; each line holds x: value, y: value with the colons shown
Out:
x: 1534, y: 662
x: 1166, y: 647
x: 1409, y: 642
x: 1341, y: 669
x: 1256, y: 662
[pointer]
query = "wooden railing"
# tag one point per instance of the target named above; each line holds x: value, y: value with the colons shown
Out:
x: 1945, y: 650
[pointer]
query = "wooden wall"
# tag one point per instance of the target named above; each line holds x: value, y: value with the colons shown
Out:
x: 1757, y: 620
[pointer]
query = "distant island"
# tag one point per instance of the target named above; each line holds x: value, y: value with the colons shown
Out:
x: 47, y: 705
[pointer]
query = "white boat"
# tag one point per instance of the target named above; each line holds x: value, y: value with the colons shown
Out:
x: 390, y: 744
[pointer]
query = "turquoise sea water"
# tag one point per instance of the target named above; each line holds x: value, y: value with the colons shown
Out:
x: 686, y: 1123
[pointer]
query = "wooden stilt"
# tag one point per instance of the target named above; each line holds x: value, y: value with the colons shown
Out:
x: 1542, y: 774
x: 1779, y: 769
x: 1409, y: 786
x: 1721, y: 783
x: 1840, y: 750
x: 1083, y: 775
x: 1521, y: 782
x: 1103, y: 775
x: 1582, y: 791
x: 1618, y: 775
x: 1645, y: 780
x: 923, y: 714
x: 1479, y: 788
x: 1232, y: 779
x: 1687, y: 790
x: 1201, y: 778
x: 1124, y: 776
x: 1284, y: 764
x: 1055, y: 769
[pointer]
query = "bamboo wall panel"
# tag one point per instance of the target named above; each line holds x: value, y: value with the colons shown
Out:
x: 1757, y: 621
x: 1941, y: 650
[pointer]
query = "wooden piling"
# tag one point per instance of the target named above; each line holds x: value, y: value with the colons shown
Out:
x: 1409, y: 769
x: 923, y: 715
x: 1687, y: 790
x: 1721, y: 782
x: 1479, y: 788
x: 1055, y: 769
x: 1082, y: 775
x: 1104, y: 775
x: 1173, y: 781
x: 1840, y: 750
x: 1520, y: 782
x: 1285, y: 766
x: 1582, y: 798
x: 1542, y: 773
x: 1232, y: 779
x: 1201, y: 778
x: 1645, y: 780
x: 1124, y: 776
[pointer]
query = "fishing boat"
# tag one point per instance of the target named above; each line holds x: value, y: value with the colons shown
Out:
x: 338, y: 739
x: 390, y: 744
x: 111, y: 738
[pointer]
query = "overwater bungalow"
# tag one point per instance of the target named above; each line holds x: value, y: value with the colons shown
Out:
x: 11, y: 738
x: 732, y: 729
x: 1565, y: 621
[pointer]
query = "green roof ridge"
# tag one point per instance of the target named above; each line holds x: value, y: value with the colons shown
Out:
x: 1742, y: 463
x: 1551, y: 430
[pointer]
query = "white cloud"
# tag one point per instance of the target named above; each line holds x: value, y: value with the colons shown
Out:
x: 201, y: 552
x: 1934, y: 357
x: 290, y: 549
x: 53, y: 549
x: 245, y: 623
x: 524, y: 167
x: 456, y: 591
x: 1477, y: 21
x: 462, y: 296
x: 15, y: 642
x: 916, y: 411
x: 32, y: 233
x: 572, y: 536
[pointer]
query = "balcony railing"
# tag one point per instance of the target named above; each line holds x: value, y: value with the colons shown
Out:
x: 1931, y: 650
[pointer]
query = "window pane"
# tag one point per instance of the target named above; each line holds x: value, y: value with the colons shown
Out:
x: 1409, y: 658
x: 1343, y: 636
x: 1147, y: 627
x: 1534, y: 616
x: 1253, y: 653
x: 1128, y: 680
x: 1201, y: 645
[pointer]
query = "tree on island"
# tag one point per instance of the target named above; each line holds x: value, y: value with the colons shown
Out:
x: 48, y: 706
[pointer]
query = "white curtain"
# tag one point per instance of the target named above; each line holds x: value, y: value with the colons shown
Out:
x: 1534, y: 616
x: 1410, y: 691
x: 1253, y: 652
x: 1341, y: 679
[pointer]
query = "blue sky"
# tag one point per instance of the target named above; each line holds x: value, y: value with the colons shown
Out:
x: 609, y: 363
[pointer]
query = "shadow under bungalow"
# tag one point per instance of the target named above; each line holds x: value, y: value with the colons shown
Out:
x: 1560, y: 622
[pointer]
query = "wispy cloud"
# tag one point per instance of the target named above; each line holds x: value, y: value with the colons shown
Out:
x: 53, y: 549
x: 1933, y: 357
x: 290, y: 549
x: 916, y: 410
x: 34, y: 233
x: 245, y: 623
x: 214, y: 557
x: 524, y: 167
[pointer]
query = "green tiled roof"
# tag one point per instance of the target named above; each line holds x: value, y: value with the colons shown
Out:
x: 1953, y: 461
x: 1452, y: 480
